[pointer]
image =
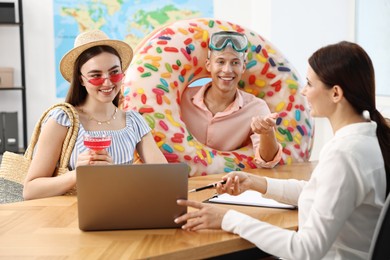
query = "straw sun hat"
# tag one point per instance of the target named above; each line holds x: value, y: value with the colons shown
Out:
x: 90, y: 39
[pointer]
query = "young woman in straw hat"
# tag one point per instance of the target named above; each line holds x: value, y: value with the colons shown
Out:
x: 94, y: 68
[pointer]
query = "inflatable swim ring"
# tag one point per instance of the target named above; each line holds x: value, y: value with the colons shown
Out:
x: 171, y: 58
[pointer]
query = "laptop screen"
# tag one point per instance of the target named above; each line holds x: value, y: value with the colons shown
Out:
x: 138, y: 196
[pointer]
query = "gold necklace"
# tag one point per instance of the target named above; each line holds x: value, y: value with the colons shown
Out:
x: 113, y: 117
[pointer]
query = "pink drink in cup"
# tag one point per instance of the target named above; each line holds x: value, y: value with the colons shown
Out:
x: 97, y: 143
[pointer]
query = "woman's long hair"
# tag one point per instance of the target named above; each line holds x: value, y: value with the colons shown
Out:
x: 346, y: 64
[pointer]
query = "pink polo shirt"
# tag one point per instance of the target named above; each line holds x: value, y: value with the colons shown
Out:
x: 227, y: 130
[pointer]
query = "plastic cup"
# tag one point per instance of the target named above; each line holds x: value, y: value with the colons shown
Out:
x: 97, y: 142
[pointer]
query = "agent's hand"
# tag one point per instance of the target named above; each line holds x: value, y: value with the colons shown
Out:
x: 264, y: 125
x: 91, y: 157
x: 236, y: 183
x: 206, y: 217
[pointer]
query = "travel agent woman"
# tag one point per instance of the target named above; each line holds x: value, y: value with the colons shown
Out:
x: 340, y: 204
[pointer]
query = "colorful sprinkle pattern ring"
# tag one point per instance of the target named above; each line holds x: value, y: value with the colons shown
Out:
x: 171, y: 58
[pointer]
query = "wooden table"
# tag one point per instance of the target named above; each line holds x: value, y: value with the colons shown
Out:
x: 48, y: 228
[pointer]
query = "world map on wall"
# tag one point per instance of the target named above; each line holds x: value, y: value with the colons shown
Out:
x: 128, y: 20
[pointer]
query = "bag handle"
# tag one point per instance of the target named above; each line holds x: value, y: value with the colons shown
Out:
x: 70, y: 138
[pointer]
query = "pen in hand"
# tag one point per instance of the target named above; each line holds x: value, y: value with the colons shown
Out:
x: 212, y: 185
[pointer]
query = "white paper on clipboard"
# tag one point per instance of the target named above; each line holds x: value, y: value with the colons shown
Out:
x: 249, y: 198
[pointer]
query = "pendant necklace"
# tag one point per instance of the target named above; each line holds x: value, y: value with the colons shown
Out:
x: 113, y: 117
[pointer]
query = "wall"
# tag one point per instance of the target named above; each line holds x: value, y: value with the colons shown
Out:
x: 297, y: 28
x: 39, y: 63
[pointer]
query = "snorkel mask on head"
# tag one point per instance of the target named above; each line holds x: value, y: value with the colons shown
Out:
x: 220, y: 40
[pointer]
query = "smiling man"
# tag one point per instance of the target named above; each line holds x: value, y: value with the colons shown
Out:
x: 223, y: 117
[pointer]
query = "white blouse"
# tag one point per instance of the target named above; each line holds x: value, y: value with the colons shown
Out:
x: 338, y: 207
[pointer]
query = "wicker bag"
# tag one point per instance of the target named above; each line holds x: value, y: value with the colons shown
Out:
x: 14, y: 166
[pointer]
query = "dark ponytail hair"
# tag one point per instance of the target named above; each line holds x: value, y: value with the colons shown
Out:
x: 346, y: 64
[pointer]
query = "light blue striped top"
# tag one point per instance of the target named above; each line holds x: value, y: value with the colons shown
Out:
x: 123, y: 141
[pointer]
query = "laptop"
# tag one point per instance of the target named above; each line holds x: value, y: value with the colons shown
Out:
x: 137, y: 196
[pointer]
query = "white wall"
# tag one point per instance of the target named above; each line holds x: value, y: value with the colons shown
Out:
x: 40, y: 67
x: 301, y: 27
x: 297, y: 28
x: 39, y: 63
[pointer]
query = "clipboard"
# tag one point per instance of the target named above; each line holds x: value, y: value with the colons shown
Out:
x: 248, y: 198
